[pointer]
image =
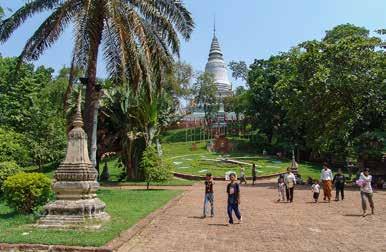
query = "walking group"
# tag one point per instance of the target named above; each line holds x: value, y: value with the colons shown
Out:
x: 287, y: 182
x: 233, y: 191
x: 286, y: 187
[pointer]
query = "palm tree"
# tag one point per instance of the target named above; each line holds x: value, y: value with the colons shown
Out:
x: 139, y: 38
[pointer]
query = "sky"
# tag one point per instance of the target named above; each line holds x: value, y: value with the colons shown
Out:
x: 246, y: 29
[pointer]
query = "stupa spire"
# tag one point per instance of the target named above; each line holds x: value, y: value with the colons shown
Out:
x: 78, y: 121
x: 216, y: 66
x: 214, y: 26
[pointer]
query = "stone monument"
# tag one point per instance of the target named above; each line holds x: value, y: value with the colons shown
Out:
x: 75, y: 185
x: 217, y: 67
x: 294, y: 164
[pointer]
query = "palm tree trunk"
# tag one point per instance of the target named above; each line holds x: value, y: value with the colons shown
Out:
x: 91, y: 101
x: 92, y: 97
x: 92, y: 94
x: 94, y: 136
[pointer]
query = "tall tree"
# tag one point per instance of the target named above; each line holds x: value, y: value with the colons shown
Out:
x: 327, y: 96
x: 137, y: 37
x: 204, y: 93
x: 239, y: 70
x: 31, y: 105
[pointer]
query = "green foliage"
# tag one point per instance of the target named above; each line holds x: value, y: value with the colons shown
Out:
x: 7, y: 169
x: 239, y: 70
x: 132, y: 51
x: 13, y: 147
x: 136, y: 119
x: 178, y: 81
x: 204, y: 93
x: 239, y: 102
x: 31, y: 102
x: 24, y: 192
x: 321, y: 95
x: 126, y: 208
x: 344, y: 31
x: 154, y: 168
x: 371, y: 144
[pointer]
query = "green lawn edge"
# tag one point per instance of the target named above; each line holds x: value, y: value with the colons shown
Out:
x: 126, y: 208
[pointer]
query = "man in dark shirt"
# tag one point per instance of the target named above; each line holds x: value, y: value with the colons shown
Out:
x: 253, y: 174
x: 339, y: 181
x: 209, y: 197
x: 233, y: 190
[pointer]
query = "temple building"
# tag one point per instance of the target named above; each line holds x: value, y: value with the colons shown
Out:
x: 216, y: 66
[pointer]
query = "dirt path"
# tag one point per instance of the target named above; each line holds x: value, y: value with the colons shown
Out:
x: 267, y: 226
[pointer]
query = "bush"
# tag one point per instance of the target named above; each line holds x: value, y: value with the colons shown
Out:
x: 13, y: 147
x: 26, y: 191
x: 153, y: 168
x: 7, y: 169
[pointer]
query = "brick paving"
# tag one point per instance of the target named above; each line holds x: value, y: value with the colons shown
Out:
x: 267, y: 225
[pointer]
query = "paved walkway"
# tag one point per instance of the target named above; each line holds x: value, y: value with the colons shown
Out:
x: 267, y: 226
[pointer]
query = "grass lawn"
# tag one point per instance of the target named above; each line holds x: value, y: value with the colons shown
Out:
x: 172, y: 182
x: 115, y: 172
x: 188, y: 161
x: 126, y: 207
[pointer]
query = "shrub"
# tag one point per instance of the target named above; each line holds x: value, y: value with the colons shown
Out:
x: 153, y: 168
x: 13, y: 147
x: 7, y: 169
x: 26, y: 191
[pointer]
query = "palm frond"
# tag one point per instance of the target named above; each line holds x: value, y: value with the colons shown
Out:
x: 50, y: 30
x: 10, y: 24
x: 174, y: 11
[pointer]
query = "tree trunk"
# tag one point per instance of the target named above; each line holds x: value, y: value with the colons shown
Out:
x: 94, y: 136
x: 92, y: 94
x: 129, y: 160
x: 147, y: 185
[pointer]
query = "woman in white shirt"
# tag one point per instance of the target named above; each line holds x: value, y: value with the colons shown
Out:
x: 366, y: 190
x: 290, y: 182
x: 326, y: 178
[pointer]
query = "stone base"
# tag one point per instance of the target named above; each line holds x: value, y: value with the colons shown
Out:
x: 74, y: 214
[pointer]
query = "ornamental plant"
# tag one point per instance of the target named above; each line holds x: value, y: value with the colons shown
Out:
x: 25, y: 192
x: 7, y: 169
x: 153, y: 168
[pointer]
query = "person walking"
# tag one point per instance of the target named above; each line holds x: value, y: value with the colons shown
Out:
x: 253, y: 173
x: 209, y: 196
x: 339, y: 182
x: 243, y: 179
x: 326, y: 178
x: 316, y: 190
x: 290, y: 182
x: 366, y: 190
x: 233, y: 191
x: 281, y: 189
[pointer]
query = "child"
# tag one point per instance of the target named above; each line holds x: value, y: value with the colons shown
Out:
x: 209, y: 197
x: 233, y: 191
x: 242, y: 176
x: 316, y: 190
x: 281, y: 189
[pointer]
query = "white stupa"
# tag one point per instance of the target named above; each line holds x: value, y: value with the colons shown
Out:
x: 216, y: 66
